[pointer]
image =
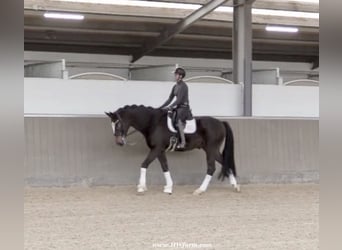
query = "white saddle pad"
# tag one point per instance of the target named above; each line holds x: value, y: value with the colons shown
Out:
x: 190, y: 126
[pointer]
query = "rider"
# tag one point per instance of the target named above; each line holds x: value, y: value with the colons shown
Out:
x: 181, y: 104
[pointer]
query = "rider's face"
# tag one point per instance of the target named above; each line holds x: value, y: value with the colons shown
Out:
x: 178, y: 77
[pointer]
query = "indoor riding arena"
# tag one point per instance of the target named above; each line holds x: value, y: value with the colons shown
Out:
x: 251, y: 64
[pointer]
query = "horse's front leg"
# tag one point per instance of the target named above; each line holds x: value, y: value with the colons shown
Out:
x: 141, y: 188
x: 164, y: 165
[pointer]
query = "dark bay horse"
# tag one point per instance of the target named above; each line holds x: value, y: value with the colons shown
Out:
x: 152, y: 123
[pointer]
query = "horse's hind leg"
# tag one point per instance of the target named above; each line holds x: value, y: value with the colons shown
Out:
x: 232, y: 179
x: 210, y: 171
x: 219, y: 158
x: 169, y: 183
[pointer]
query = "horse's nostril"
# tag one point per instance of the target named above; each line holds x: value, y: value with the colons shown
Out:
x: 119, y: 141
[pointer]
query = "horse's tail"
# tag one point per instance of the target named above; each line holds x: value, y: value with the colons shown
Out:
x: 228, y: 163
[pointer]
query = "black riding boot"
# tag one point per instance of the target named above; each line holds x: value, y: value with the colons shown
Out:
x: 181, y: 127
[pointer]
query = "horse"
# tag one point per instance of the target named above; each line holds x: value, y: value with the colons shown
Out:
x: 152, y: 123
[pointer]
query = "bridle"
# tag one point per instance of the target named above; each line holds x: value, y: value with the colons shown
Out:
x: 121, y: 130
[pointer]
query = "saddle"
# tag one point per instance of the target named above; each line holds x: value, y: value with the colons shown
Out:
x: 190, y: 125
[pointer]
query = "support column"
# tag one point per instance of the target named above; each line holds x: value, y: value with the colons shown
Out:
x: 242, y: 50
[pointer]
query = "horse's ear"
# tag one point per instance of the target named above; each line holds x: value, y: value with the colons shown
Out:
x: 108, y: 114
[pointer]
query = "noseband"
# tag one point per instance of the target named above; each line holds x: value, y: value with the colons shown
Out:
x: 122, y: 133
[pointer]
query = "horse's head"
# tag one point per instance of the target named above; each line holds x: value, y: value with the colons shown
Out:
x: 119, y: 126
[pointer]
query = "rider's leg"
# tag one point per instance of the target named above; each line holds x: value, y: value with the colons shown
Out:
x: 181, y: 127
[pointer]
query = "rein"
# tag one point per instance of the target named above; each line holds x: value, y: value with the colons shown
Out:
x: 132, y: 132
x: 128, y: 134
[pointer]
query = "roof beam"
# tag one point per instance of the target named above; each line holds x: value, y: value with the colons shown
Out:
x: 57, y: 47
x: 169, y: 33
x: 258, y: 48
x: 110, y: 11
x: 90, y: 31
x: 180, y: 38
x: 290, y: 5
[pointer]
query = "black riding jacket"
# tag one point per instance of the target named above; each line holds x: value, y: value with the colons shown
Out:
x: 181, y: 92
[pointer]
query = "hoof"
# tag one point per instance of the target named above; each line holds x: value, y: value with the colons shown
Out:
x: 141, y: 189
x: 237, y: 188
x: 198, y: 192
x: 168, y: 190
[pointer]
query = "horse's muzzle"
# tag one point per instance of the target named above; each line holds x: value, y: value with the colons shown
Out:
x: 120, y: 140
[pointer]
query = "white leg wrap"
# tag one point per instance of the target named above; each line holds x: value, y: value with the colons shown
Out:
x: 203, y: 186
x: 142, y: 180
x: 169, y: 182
x: 205, y: 182
x: 232, y: 180
x: 168, y: 178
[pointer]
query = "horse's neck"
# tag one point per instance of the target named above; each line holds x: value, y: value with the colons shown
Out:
x: 141, y: 121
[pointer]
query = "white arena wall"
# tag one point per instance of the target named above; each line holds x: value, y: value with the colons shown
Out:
x: 92, y: 97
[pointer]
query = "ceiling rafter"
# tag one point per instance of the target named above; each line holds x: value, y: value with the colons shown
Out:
x: 170, y: 32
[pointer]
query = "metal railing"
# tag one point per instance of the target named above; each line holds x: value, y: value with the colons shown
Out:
x: 209, y: 77
x: 79, y: 76
x: 294, y: 82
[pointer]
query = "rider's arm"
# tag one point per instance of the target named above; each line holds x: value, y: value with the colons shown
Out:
x: 168, y: 101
